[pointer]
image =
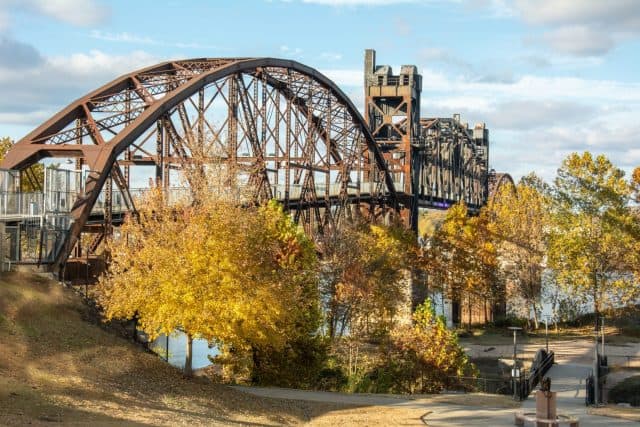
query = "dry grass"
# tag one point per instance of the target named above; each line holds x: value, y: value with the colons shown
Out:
x: 371, y: 416
x: 474, y: 399
x: 54, y: 366
x: 631, y: 414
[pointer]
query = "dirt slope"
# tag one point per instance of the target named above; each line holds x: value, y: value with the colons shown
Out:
x: 57, y: 367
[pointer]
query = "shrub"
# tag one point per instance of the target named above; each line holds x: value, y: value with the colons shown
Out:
x: 298, y: 365
x: 507, y: 321
x: 422, y: 358
x: 627, y: 391
x: 630, y: 331
x: 331, y: 379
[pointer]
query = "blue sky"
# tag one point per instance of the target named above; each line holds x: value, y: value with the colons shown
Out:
x: 547, y: 76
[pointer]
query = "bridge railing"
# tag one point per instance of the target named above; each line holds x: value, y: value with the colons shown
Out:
x: 528, y: 381
x: 63, y: 187
x: 21, y: 205
x: 175, y: 195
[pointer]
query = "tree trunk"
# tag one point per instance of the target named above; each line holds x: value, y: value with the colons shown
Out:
x: 188, y: 363
x: 535, y: 315
x: 485, y: 312
x: 469, y: 308
x: 332, y: 324
x: 596, y: 302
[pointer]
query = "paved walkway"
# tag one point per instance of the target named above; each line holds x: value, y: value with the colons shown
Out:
x: 567, y: 380
x: 566, y: 351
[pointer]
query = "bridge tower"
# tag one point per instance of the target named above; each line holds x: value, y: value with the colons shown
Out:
x: 392, y: 112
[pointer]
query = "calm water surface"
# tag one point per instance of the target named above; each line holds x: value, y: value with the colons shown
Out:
x: 177, y: 343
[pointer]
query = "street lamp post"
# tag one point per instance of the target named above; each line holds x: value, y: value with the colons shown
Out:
x: 546, y: 332
x: 515, y: 372
x: 602, y: 331
x: 596, y: 370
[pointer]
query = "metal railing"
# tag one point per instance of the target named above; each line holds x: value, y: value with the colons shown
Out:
x: 528, y: 380
x: 25, y: 205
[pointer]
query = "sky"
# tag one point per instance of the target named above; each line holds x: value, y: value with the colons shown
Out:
x: 548, y: 77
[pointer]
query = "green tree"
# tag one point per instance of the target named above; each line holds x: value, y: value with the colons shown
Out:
x: 33, y: 177
x: 594, y: 238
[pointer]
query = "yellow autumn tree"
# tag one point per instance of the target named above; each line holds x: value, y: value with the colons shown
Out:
x: 361, y: 276
x: 521, y: 216
x: 237, y: 276
x: 594, y: 236
x: 424, y: 357
x: 461, y: 261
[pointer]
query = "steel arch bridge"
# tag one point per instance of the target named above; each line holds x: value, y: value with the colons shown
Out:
x: 285, y: 130
x: 276, y: 128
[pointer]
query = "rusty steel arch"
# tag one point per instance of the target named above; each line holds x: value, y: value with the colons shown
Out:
x: 301, y: 134
x: 498, y: 180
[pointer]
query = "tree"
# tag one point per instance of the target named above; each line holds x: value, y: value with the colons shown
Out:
x: 33, y: 177
x: 241, y: 277
x: 461, y: 258
x: 594, y: 237
x: 521, y: 216
x: 425, y: 357
x: 362, y: 274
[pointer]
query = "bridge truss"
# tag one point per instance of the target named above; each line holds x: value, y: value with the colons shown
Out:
x: 281, y: 129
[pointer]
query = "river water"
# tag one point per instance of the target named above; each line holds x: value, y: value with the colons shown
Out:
x: 177, y: 345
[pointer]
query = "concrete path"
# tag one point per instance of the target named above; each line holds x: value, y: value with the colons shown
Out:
x: 570, y: 402
x: 439, y: 414
x: 566, y: 351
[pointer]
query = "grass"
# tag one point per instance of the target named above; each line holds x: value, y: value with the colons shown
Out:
x: 57, y: 367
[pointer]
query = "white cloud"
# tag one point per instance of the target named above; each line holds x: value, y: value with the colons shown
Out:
x: 39, y: 91
x: 125, y: 37
x: 617, y: 13
x: 579, y: 40
x: 291, y: 52
x: 434, y: 54
x: 345, y: 77
x: 402, y: 27
x: 100, y: 64
x: 331, y: 56
x: 121, y: 37
x: 75, y: 12
x: 30, y: 118
x: 583, y: 28
x: 4, y: 21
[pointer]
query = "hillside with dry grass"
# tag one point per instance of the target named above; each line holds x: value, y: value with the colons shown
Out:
x: 55, y: 366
